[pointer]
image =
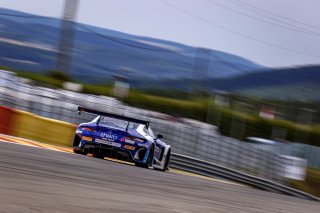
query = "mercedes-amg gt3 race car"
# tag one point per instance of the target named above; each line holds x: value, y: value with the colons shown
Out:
x: 123, y: 138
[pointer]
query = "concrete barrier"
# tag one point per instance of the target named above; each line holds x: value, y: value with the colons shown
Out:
x: 6, y: 120
x: 28, y: 125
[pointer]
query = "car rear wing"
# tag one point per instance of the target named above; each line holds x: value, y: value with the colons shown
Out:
x: 107, y: 114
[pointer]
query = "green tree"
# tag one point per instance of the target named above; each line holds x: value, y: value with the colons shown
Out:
x: 59, y: 75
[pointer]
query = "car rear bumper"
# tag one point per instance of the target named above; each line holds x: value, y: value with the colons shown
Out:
x: 116, y: 152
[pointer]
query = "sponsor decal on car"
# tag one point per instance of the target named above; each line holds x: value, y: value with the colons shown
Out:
x: 127, y: 140
x: 108, y: 136
x: 131, y: 140
x: 86, y: 138
x: 143, y: 145
x: 111, y: 143
x: 129, y: 147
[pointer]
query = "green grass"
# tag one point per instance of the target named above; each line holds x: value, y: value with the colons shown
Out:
x: 311, y: 184
x: 187, y: 108
x: 87, y: 88
x: 300, y: 92
x: 41, y: 78
x: 97, y: 89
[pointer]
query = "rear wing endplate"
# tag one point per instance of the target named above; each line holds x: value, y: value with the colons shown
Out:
x: 107, y: 114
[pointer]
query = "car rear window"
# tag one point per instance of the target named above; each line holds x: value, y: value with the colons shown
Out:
x: 113, y: 122
x: 116, y: 122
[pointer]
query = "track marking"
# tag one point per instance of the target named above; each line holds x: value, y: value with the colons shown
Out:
x: 26, y: 142
x: 176, y: 171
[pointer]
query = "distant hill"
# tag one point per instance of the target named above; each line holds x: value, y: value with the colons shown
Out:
x: 29, y: 42
x: 294, y: 83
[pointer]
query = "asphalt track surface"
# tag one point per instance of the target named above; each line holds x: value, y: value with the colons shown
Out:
x: 40, y: 180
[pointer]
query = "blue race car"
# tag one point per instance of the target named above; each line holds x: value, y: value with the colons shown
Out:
x: 122, y: 138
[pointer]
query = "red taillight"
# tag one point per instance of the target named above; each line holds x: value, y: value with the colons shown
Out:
x: 88, y: 129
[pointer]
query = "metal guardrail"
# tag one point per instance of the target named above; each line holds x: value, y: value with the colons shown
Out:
x: 210, y: 169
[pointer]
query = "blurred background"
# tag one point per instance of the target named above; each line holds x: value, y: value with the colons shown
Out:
x: 232, y: 82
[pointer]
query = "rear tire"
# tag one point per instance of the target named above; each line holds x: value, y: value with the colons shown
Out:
x: 149, y: 161
x: 78, y: 151
x: 166, y: 164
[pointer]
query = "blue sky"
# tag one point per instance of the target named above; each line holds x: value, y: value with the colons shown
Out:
x: 274, y: 42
